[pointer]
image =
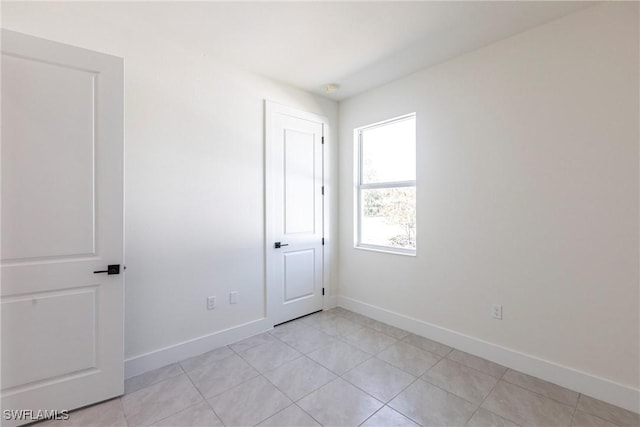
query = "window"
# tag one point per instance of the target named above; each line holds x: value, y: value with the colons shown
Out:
x: 386, y: 185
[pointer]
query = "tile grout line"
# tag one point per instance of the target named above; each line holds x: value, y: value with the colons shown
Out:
x: 432, y: 352
x: 451, y: 349
x: 287, y: 397
x: 276, y: 367
x: 312, y: 391
x: 259, y: 374
x: 575, y: 409
x: 540, y: 394
x: 295, y: 402
x: 594, y: 415
x: 361, y: 322
x: 218, y: 394
x: 126, y: 421
x: 419, y: 349
x: 156, y: 383
x: 339, y: 337
x: 371, y: 356
x: 398, y: 410
x: 500, y: 379
x: 312, y: 417
x: 200, y: 392
x: 487, y: 396
x: 182, y: 371
x: 475, y: 369
x: 369, y: 417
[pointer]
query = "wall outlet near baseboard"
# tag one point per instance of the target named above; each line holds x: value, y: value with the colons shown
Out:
x: 233, y: 297
x: 211, y: 303
x: 496, y: 311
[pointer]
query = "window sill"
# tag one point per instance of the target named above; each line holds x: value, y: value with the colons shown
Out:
x: 386, y: 250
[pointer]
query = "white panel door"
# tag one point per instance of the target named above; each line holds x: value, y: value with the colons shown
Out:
x: 62, y: 221
x: 294, y: 154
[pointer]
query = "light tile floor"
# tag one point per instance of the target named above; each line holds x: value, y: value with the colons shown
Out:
x: 339, y: 368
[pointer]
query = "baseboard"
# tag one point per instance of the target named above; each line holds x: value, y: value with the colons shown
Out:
x: 590, y: 385
x: 156, y: 359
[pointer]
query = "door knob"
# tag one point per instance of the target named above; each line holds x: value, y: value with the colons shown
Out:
x: 111, y: 269
x: 278, y: 245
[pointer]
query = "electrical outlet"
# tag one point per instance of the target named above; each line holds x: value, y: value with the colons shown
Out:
x: 211, y: 303
x: 233, y: 297
x: 496, y: 311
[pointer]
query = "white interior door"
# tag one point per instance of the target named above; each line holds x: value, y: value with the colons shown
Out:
x: 294, y: 200
x: 62, y: 220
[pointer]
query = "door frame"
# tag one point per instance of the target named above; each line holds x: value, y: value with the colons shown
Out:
x: 270, y: 110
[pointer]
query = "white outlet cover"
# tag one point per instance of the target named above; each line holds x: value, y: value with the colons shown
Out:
x: 496, y: 311
x: 211, y: 303
x: 233, y: 298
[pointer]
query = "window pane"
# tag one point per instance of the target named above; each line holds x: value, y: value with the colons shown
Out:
x: 389, y: 152
x: 389, y: 217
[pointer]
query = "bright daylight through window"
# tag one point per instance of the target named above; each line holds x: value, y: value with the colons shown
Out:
x: 386, y: 185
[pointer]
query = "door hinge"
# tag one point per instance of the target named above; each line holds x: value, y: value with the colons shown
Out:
x: 323, y: 241
x: 323, y: 190
x: 322, y: 291
x: 323, y: 140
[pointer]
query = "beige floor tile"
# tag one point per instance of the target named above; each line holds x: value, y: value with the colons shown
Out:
x: 527, y: 408
x: 247, y: 343
x: 387, y: 417
x: 105, y: 414
x: 607, y: 411
x: 339, y: 404
x: 318, y: 319
x: 152, y: 377
x: 461, y: 380
x: 582, y: 419
x: 392, y: 331
x: 427, y: 344
x: 369, y: 340
x: 552, y: 391
x: 218, y: 377
x: 478, y: 363
x: 200, y: 415
x: 156, y: 402
x: 304, y: 338
x: 249, y: 403
x: 451, y: 385
x: 266, y: 357
x: 292, y: 416
x: 380, y: 379
x: 206, y: 359
x: 339, y: 326
x: 431, y: 406
x: 339, y: 357
x: 355, y: 317
x: 484, y: 418
x: 287, y: 329
x: 408, y: 358
x: 299, y: 377
x: 338, y: 311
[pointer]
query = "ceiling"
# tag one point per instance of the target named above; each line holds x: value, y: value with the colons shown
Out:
x: 357, y: 45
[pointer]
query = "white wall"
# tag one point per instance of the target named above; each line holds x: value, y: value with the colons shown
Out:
x: 527, y: 187
x: 194, y: 174
x: 527, y: 195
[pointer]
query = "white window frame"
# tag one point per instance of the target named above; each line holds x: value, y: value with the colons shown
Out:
x: 359, y: 186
